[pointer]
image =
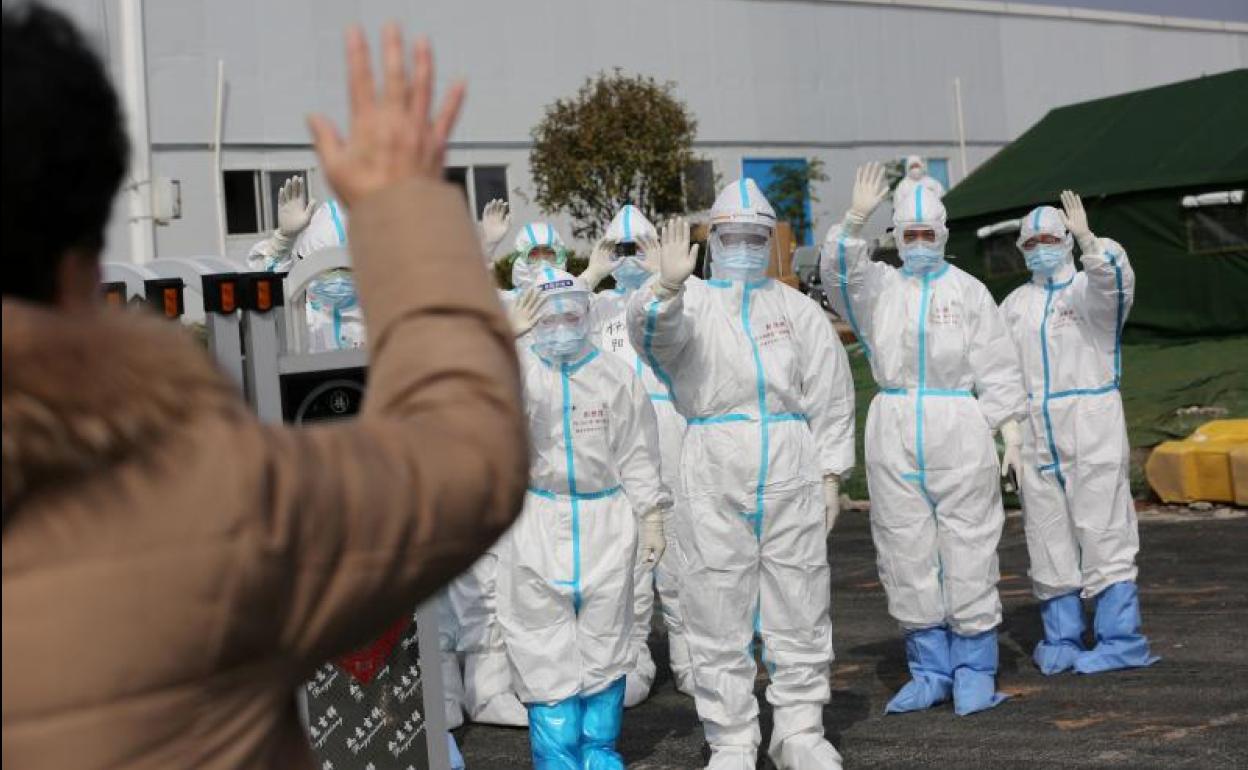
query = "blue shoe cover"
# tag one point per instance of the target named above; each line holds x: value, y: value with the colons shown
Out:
x: 555, y: 734
x: 927, y: 654
x: 974, y: 661
x: 1063, y: 634
x: 600, y: 727
x: 452, y: 750
x: 1119, y: 643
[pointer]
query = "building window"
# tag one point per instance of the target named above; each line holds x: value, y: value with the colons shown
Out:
x: 242, y: 202
x: 251, y: 198
x: 938, y: 169
x: 1217, y: 228
x: 481, y: 184
x: 1002, y: 257
x: 699, y: 185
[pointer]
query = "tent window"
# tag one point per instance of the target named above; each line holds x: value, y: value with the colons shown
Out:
x: 1217, y: 229
x: 1001, y: 256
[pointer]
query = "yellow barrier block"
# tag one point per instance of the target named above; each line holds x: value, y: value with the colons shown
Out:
x: 1201, y: 466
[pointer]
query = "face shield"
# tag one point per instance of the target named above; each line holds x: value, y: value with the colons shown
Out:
x: 562, y: 332
x: 562, y: 335
x: 740, y: 251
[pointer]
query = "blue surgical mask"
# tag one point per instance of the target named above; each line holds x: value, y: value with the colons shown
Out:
x: 629, y: 274
x: 922, y: 259
x: 334, y: 290
x: 1044, y: 260
x: 561, y: 342
x: 741, y: 262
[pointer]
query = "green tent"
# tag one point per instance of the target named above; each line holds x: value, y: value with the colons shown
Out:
x: 1133, y: 158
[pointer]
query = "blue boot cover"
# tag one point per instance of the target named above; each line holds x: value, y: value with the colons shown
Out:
x: 1063, y: 634
x: 600, y: 728
x: 927, y: 654
x: 1119, y: 643
x: 974, y: 672
x: 555, y: 734
x: 452, y: 750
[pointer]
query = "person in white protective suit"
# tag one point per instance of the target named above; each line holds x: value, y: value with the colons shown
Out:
x: 631, y: 246
x: 1076, y: 492
x: 916, y: 176
x: 948, y: 376
x: 764, y: 384
x: 596, y: 504
x: 475, y: 670
x: 303, y: 227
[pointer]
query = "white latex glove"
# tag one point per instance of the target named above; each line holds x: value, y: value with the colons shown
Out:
x: 294, y: 212
x: 651, y: 247
x: 831, y: 500
x: 495, y: 222
x: 677, y: 258
x: 599, y: 263
x: 651, y: 542
x: 1076, y: 219
x: 870, y: 188
x: 1012, y: 456
x: 526, y: 311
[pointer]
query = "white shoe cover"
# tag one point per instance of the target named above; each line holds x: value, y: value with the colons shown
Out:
x: 732, y: 758
x: 807, y: 751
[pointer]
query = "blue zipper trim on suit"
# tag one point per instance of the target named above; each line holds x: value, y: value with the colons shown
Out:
x: 947, y: 392
x: 652, y: 320
x: 342, y: 231
x: 601, y: 495
x: 1050, y: 289
x: 764, y: 452
x: 1122, y: 301
x: 573, y: 492
x: 849, y: 309
x: 743, y: 417
x: 628, y: 224
x: 920, y: 392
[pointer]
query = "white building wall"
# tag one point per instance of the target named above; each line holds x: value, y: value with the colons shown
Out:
x: 842, y: 81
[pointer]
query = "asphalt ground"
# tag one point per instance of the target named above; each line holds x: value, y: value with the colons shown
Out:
x: 1188, y: 711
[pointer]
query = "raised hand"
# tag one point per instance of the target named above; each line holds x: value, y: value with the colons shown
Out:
x: 392, y: 137
x: 294, y: 210
x: 495, y: 222
x: 526, y: 311
x: 677, y: 258
x: 870, y: 188
x: 1076, y: 217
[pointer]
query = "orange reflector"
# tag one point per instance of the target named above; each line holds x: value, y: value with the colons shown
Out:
x: 264, y: 296
x: 227, y: 297
x: 171, y: 303
x: 114, y: 298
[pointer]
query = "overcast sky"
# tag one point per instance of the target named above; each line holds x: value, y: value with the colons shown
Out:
x: 1223, y: 10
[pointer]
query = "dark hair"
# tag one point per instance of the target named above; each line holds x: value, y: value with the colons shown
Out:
x: 65, y: 149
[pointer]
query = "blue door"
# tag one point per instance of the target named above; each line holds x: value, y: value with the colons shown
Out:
x: 763, y: 172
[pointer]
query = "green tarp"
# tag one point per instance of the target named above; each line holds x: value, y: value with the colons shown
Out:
x: 1132, y: 157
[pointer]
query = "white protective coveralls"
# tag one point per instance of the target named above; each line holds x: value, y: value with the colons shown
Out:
x: 566, y: 580
x: 334, y: 319
x: 764, y: 383
x: 609, y: 328
x: 1080, y: 519
x: 916, y: 176
x: 948, y: 376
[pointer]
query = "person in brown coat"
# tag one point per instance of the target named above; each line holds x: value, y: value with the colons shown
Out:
x: 172, y: 568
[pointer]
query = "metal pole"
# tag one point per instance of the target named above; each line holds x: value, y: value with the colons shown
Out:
x: 218, y: 181
x: 957, y: 101
x: 134, y: 95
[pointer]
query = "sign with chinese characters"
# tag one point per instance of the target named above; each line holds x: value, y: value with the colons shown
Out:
x: 377, y: 724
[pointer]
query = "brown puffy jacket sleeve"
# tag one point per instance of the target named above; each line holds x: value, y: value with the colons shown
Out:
x: 367, y: 519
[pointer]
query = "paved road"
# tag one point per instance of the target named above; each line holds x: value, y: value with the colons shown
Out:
x: 1188, y: 711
